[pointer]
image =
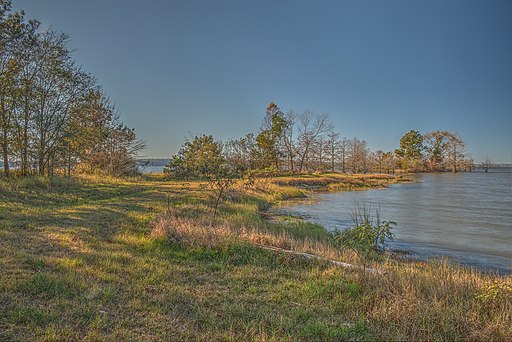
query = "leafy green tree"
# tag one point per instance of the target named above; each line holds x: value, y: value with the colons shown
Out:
x: 197, y: 158
x: 97, y: 140
x: 271, y: 133
x: 410, y: 151
x: 88, y: 125
x: 51, y: 112
x: 26, y: 95
x: 13, y: 29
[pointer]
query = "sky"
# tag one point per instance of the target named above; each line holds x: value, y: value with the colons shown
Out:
x: 176, y: 69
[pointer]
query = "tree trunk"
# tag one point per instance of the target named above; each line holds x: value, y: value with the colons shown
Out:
x: 69, y: 162
x: 5, y: 153
x: 303, y: 158
x: 40, y: 155
x: 290, y: 163
x: 454, y: 167
x: 25, y: 164
x: 40, y: 162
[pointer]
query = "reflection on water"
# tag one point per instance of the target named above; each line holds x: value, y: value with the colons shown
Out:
x: 466, y: 216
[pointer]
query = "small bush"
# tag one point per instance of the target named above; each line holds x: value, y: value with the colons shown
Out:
x: 366, y: 239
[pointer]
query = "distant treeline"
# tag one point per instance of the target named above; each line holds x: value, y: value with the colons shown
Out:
x: 307, y: 142
x: 54, y: 116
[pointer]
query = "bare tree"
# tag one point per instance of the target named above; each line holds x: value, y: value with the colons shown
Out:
x: 436, y: 144
x: 486, y: 163
x: 343, y: 153
x: 241, y: 154
x: 333, y: 146
x: 378, y: 161
x: 320, y: 152
x: 389, y: 162
x: 311, y: 126
x: 455, y: 151
x: 358, y: 155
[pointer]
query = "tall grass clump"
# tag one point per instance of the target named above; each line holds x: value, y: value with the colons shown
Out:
x: 238, y: 220
x: 367, y: 237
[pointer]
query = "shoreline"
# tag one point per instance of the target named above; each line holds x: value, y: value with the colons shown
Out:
x: 403, y: 250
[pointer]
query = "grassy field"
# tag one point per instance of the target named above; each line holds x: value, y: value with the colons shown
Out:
x: 110, y: 259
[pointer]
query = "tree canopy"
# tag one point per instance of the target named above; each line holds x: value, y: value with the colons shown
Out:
x: 411, y: 148
x: 54, y: 116
x: 197, y: 158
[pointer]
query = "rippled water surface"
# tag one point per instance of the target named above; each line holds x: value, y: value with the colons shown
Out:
x: 465, y: 216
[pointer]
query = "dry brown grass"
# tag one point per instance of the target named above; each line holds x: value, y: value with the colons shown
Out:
x: 338, y: 182
x: 191, y: 226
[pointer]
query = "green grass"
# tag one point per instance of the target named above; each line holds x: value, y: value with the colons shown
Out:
x: 79, y: 260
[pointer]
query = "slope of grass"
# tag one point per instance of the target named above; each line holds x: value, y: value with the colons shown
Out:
x: 110, y: 259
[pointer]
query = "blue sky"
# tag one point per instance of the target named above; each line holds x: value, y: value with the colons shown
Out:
x: 379, y: 68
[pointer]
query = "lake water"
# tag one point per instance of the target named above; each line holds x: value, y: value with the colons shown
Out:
x: 464, y: 216
x: 152, y: 169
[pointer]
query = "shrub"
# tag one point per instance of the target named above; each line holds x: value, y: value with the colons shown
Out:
x: 366, y: 239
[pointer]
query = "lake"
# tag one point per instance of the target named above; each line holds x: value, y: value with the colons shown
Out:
x: 465, y: 216
x: 152, y: 169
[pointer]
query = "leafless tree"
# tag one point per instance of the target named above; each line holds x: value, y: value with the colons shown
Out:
x: 486, y: 163
x: 333, y: 146
x: 241, y: 154
x: 436, y: 144
x: 311, y: 126
x: 358, y: 155
x: 455, y: 151
x: 320, y: 153
x: 343, y: 153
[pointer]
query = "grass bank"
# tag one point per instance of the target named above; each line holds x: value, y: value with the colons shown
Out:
x: 110, y: 259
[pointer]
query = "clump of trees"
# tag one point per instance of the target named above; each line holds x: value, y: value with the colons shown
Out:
x: 54, y: 116
x: 300, y: 142
x: 307, y: 142
x: 433, y: 152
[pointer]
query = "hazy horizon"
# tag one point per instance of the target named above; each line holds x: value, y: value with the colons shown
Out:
x: 380, y: 69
